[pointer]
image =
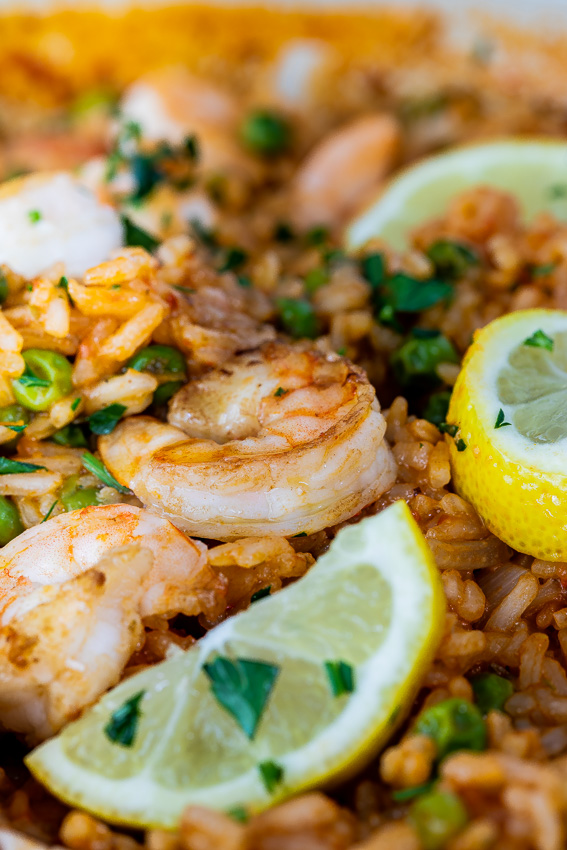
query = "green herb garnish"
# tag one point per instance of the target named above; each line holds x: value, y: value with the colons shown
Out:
x: 271, y: 773
x: 437, y: 406
x: 266, y: 132
x: 96, y: 466
x: 9, y: 466
x: 34, y: 216
x: 261, y: 594
x: 123, y: 724
x: 318, y: 235
x: 451, y: 259
x: 500, y: 423
x: 341, y: 677
x: 70, y: 435
x: 243, y: 688
x: 460, y: 444
x: 298, y: 317
x: 105, y: 421
x: 280, y: 391
x: 135, y: 236
x: 49, y: 512
x: 283, y: 232
x: 539, y: 339
x: 404, y: 794
x: 244, y: 281
x: 559, y: 190
x: 239, y: 814
x: 491, y: 691
x: 448, y: 428
x: 454, y: 724
x: 544, y: 270
x: 75, y: 404
x: 415, y: 362
x: 63, y: 283
x: 28, y: 379
x: 234, y: 258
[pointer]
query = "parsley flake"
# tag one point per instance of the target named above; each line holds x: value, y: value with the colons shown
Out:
x: 9, y: 466
x: 239, y: 814
x: 135, y: 236
x: 460, y: 444
x: 261, y: 594
x: 243, y: 687
x: 543, y: 270
x: 500, y: 423
x: 404, y: 794
x: 75, y: 404
x: 448, y: 428
x: 49, y: 512
x: 341, y: 677
x: 272, y: 774
x: 280, y: 391
x: 34, y: 216
x: 123, y: 724
x: 105, y: 421
x: 96, y: 466
x: 539, y: 339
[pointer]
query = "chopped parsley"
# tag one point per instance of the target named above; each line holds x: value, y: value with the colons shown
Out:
x: 135, y: 236
x: 63, y: 283
x: 261, y: 594
x: 448, y: 428
x: 341, y: 677
x: 415, y: 362
x: 244, y: 281
x: 4, y: 288
x: 96, y: 466
x: 105, y: 421
x: 298, y: 317
x: 500, y: 423
x: 404, y: 794
x: 460, y: 444
x: 437, y: 406
x: 233, y: 259
x: 34, y: 216
x: 317, y: 236
x: 539, y: 339
x: 280, y: 391
x: 70, y: 435
x: 544, y: 270
x: 451, y: 259
x: 123, y: 724
x: 272, y: 774
x: 9, y: 466
x: 266, y: 132
x: 75, y: 404
x: 243, y: 687
x: 239, y: 814
x: 283, y: 232
x: 50, y: 511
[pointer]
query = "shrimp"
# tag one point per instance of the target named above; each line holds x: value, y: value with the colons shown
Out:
x: 344, y: 170
x: 171, y: 104
x: 47, y: 218
x: 73, y: 599
x: 283, y: 440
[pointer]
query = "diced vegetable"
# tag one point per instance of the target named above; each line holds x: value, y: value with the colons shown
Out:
x: 10, y: 522
x: 491, y: 691
x: 453, y: 724
x: 416, y: 361
x: 298, y: 317
x: 47, y: 378
x: 266, y: 132
x: 437, y: 817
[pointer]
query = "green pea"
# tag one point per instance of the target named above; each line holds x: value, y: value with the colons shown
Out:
x: 416, y: 361
x: 10, y: 522
x: 491, y: 691
x: 437, y: 817
x: 298, y: 317
x: 165, y: 391
x: 14, y: 413
x: 266, y: 132
x: 159, y: 360
x: 453, y: 724
x: 46, y: 379
x: 80, y: 499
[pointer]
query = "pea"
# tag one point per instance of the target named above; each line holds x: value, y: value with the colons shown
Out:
x: 437, y: 817
x: 10, y: 522
x: 265, y: 132
x: 159, y: 360
x: 453, y: 724
x: 47, y: 378
x: 298, y: 317
x: 491, y: 691
x: 166, y: 391
x: 80, y: 499
x: 14, y: 413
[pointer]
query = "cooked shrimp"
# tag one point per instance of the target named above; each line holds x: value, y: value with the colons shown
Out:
x: 47, y: 218
x: 283, y: 440
x: 171, y: 104
x: 72, y: 606
x: 344, y: 170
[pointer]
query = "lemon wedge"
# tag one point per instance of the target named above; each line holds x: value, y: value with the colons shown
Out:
x: 509, y: 456
x: 535, y: 171
x: 301, y: 688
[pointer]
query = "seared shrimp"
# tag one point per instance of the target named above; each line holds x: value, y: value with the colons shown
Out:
x: 72, y: 606
x: 47, y: 218
x: 344, y: 169
x: 284, y: 440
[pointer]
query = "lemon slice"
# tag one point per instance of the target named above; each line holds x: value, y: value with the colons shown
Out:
x: 349, y: 643
x: 534, y: 171
x: 510, y: 402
